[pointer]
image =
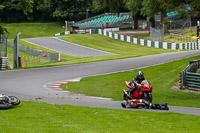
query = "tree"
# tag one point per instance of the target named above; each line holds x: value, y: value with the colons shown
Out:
x: 43, y: 9
x: 152, y: 7
x: 26, y: 5
x: 71, y: 9
x: 113, y: 6
x: 134, y: 7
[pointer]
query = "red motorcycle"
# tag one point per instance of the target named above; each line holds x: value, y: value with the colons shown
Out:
x: 143, y: 91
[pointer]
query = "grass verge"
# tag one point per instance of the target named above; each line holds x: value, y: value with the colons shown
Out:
x: 162, y: 77
x: 34, y: 117
x: 107, y: 44
x: 30, y: 30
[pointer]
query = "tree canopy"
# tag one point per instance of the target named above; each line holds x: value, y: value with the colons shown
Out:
x: 75, y: 10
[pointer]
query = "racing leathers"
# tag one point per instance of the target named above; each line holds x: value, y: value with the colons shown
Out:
x: 136, y: 80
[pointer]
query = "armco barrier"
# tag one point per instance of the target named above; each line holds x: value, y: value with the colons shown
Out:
x: 193, y: 81
x: 189, y: 79
x: 156, y: 44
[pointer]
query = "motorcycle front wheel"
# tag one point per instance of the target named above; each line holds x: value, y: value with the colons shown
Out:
x: 14, y: 100
x: 148, y: 97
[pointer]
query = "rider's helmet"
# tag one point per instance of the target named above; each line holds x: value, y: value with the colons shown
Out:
x: 141, y: 74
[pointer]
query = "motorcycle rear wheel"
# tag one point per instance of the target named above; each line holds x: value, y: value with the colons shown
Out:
x: 5, y: 106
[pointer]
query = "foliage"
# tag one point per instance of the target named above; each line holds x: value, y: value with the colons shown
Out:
x: 113, y: 6
x: 48, y: 10
x: 3, y: 30
x: 71, y: 9
x: 26, y: 5
x: 133, y: 6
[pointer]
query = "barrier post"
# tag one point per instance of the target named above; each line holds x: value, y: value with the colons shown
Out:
x: 16, y: 51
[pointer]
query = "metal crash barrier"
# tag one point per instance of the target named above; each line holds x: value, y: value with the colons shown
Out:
x: 189, y: 79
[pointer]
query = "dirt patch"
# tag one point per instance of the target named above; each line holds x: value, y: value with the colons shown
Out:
x: 177, y: 87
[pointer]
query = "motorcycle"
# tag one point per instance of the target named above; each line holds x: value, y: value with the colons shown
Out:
x: 7, y: 102
x: 143, y: 91
x: 141, y: 97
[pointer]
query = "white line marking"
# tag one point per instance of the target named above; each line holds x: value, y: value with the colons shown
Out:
x: 56, y: 88
x: 83, y: 46
x: 42, y: 46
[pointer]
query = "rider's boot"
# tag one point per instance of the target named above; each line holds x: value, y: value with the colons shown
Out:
x: 124, y: 104
x: 160, y: 106
x: 164, y: 106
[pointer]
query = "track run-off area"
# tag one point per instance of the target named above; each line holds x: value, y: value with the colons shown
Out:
x: 32, y: 84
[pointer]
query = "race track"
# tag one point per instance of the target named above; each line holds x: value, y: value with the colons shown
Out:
x: 30, y: 84
x: 66, y: 47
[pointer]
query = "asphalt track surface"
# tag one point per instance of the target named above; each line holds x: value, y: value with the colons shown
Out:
x: 31, y: 84
x: 66, y: 47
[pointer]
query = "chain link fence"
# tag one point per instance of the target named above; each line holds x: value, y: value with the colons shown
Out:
x: 31, y: 61
x: 39, y: 53
x: 3, y: 45
x: 157, y: 34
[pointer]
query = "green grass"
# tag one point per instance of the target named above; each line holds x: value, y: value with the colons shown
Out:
x: 30, y: 30
x: 32, y: 117
x: 162, y: 77
x: 107, y: 44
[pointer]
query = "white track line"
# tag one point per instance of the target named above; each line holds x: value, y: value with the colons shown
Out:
x: 84, y: 46
x: 55, y: 86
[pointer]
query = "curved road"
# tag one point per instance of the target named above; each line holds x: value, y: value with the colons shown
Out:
x: 66, y: 47
x: 30, y: 84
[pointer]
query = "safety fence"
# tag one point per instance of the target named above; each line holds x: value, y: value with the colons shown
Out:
x: 182, y: 38
x: 156, y: 44
x: 157, y: 34
x: 189, y: 79
x: 3, y: 45
x: 39, y: 53
x: 3, y: 52
x: 29, y: 61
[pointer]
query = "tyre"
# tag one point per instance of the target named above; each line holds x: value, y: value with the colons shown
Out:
x: 148, y: 97
x: 14, y: 100
x: 5, y: 106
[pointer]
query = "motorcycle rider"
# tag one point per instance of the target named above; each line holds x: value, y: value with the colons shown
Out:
x: 142, y: 103
x: 136, y: 80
